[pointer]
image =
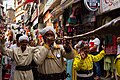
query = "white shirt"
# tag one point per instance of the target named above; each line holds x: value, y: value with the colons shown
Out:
x: 13, y: 46
x: 96, y: 42
x: 118, y: 49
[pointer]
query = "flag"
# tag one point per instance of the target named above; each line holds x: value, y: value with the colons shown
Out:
x: 28, y: 1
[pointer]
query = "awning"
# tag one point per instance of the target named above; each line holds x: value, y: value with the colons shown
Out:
x: 112, y: 27
x: 50, y: 5
x: 61, y: 7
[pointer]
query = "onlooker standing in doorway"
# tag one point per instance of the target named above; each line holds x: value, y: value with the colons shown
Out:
x: 110, y: 48
x: 94, y: 44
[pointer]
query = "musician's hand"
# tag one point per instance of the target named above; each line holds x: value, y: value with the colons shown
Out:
x: 67, y: 45
x: 103, y: 47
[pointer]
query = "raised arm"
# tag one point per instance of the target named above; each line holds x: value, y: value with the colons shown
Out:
x: 99, y: 56
x: 6, y: 51
x: 68, y: 52
x: 39, y: 55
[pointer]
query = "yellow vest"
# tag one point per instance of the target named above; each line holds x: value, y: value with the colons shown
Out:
x: 117, y: 65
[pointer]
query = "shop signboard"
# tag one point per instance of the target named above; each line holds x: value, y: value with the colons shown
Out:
x: 48, y: 4
x: 34, y: 15
x: 108, y: 5
x: 91, y: 5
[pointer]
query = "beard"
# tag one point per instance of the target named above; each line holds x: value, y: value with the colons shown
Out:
x: 24, y: 46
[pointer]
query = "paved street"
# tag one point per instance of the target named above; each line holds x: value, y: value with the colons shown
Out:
x: 103, y: 78
x: 55, y: 39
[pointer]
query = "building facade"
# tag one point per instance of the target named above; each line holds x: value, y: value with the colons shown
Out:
x: 10, y: 14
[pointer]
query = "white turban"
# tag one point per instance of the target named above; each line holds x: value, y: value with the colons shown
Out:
x: 24, y: 37
x: 46, y: 29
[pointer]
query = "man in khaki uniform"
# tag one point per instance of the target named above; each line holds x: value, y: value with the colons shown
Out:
x: 22, y: 57
x: 50, y: 56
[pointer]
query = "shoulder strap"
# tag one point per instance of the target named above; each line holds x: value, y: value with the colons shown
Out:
x: 57, y: 62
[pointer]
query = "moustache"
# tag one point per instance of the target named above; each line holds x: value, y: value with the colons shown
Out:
x: 50, y: 38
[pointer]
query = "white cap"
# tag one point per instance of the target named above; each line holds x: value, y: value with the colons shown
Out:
x: 43, y: 31
x: 24, y: 37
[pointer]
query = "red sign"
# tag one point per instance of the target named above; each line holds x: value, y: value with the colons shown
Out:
x: 107, y: 5
x: 109, y: 2
x: 111, y: 50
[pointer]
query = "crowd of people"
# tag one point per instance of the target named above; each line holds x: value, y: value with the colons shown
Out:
x: 23, y: 59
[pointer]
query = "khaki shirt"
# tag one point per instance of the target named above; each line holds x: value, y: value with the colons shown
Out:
x: 21, y: 59
x: 51, y: 60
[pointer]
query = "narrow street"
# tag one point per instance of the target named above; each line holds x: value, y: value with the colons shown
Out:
x: 59, y: 39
